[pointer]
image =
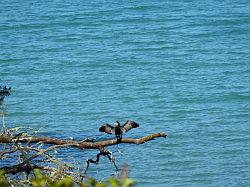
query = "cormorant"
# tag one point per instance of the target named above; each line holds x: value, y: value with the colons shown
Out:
x: 117, y: 129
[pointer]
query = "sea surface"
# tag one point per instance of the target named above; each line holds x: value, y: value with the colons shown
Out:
x: 181, y: 67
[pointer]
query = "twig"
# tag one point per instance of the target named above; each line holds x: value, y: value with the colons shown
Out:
x: 25, y: 164
x: 102, y: 153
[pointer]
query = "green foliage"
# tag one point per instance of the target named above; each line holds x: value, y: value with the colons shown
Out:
x: 3, y: 180
x: 4, y: 92
x: 41, y: 180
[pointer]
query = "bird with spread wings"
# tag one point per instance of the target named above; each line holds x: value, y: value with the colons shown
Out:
x: 118, y: 129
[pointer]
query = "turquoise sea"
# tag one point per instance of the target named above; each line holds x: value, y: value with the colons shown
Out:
x: 176, y: 66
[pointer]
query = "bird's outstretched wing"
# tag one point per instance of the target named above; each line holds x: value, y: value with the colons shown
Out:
x: 107, y: 128
x: 130, y: 125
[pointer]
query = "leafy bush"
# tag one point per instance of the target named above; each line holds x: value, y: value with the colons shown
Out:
x: 41, y: 180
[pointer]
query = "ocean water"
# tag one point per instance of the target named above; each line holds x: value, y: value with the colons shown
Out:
x: 176, y: 66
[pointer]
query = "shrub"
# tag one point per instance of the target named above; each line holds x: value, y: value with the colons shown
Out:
x: 41, y: 180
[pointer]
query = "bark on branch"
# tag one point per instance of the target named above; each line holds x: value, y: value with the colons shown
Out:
x: 85, y: 144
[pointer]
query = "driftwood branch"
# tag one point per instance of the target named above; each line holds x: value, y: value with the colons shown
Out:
x: 80, y: 144
x: 26, y: 165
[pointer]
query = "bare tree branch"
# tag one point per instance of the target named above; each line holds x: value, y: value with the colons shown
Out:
x: 81, y: 144
x: 27, y: 166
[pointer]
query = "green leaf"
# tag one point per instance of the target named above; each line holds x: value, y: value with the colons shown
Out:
x: 114, y: 182
x: 127, y: 182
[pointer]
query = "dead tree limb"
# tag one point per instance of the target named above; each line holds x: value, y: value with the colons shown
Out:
x: 81, y: 144
x: 26, y: 165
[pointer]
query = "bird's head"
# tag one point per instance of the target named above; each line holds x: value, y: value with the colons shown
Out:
x: 117, y: 124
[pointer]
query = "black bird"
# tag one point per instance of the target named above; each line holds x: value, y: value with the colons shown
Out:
x: 118, y: 130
